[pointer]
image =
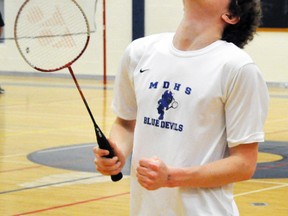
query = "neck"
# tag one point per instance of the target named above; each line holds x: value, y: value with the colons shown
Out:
x: 193, y: 38
x: 197, y: 30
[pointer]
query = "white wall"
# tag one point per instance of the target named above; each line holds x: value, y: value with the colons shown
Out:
x: 268, y: 49
x: 162, y: 15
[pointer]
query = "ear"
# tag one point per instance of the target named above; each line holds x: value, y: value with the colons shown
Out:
x: 230, y: 19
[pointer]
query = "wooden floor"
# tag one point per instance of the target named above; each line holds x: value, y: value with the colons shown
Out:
x: 47, y: 112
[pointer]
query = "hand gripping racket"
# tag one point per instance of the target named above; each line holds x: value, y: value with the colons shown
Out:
x: 51, y: 35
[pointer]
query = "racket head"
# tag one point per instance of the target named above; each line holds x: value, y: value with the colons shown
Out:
x: 51, y: 35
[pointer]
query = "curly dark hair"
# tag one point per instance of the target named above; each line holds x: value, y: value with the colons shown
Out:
x: 250, y: 14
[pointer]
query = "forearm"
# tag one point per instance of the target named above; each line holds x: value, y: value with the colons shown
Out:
x: 235, y: 168
x: 208, y: 176
x: 122, y: 133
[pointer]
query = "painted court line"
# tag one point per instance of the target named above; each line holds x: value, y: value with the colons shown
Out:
x: 268, y: 182
x: 13, y: 155
x: 72, y: 204
x: 20, y: 169
x: 276, y: 131
x: 47, y: 185
x: 261, y: 190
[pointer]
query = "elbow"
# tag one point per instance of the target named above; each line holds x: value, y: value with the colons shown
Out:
x: 248, y: 171
x: 245, y: 160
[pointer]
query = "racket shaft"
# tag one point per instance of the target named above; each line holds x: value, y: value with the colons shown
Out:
x: 101, y: 139
x: 104, y: 144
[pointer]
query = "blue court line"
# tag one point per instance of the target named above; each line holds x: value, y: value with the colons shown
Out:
x: 55, y: 85
x: 68, y: 86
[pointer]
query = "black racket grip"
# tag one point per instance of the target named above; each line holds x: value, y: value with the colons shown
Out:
x: 104, y: 144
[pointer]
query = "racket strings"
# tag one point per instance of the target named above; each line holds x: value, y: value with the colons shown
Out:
x: 51, y: 34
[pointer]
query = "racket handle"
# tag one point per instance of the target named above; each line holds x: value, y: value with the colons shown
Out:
x: 104, y: 144
x: 117, y: 177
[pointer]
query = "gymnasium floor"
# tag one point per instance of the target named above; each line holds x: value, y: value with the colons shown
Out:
x: 46, y: 166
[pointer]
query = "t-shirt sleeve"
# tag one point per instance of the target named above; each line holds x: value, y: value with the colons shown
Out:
x: 246, y: 107
x: 124, y: 101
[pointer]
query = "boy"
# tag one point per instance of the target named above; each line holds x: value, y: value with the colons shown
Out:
x: 186, y: 157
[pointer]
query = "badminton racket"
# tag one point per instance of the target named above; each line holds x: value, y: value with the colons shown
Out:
x: 51, y: 35
x: 174, y: 104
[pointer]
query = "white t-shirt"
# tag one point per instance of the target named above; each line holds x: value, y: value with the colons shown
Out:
x: 189, y: 106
